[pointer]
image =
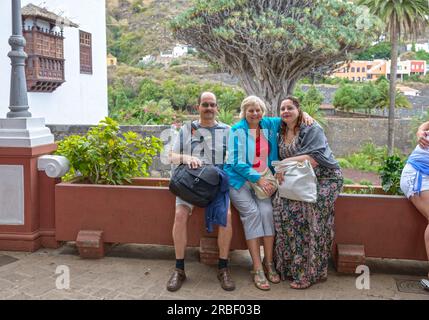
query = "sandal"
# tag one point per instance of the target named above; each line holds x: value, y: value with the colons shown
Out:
x: 271, y: 272
x: 260, y: 281
x: 299, y: 285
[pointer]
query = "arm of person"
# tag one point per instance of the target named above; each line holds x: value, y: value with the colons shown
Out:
x: 192, y: 162
x: 422, y: 134
x: 306, y: 119
x: 237, y: 154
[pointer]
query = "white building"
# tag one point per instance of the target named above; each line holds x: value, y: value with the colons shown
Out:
x: 68, y: 87
x: 419, y: 46
x: 404, y: 69
x: 180, y: 50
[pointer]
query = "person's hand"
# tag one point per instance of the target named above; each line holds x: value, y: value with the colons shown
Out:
x: 307, y: 119
x: 280, y: 176
x: 193, y: 162
x: 422, y: 139
x: 267, y: 186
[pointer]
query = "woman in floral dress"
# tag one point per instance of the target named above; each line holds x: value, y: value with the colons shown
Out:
x: 305, y: 231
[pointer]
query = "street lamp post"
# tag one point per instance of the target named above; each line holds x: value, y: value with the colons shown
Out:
x: 18, y: 86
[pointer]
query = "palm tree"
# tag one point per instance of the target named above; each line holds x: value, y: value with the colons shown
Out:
x: 384, y: 98
x: 406, y: 18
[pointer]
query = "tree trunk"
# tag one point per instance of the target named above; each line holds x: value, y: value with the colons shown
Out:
x: 392, y: 92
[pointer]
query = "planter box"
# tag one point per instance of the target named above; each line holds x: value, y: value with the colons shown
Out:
x: 139, y: 213
x: 387, y: 226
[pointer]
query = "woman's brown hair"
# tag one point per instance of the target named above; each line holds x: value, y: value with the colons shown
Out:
x: 296, y: 103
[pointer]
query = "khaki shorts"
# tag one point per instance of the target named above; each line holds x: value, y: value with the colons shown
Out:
x: 180, y: 201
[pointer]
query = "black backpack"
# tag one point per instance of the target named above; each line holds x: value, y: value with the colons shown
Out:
x: 196, y: 186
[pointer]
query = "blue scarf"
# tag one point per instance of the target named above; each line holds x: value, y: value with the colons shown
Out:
x: 419, y: 159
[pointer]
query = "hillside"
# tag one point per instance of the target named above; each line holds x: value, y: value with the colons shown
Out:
x: 136, y: 28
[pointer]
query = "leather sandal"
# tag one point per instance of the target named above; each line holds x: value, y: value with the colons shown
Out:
x: 271, y: 272
x: 299, y: 285
x: 260, y: 280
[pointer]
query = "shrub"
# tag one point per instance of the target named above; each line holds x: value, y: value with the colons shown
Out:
x: 348, y: 181
x: 103, y: 156
x: 390, y: 173
x: 226, y: 116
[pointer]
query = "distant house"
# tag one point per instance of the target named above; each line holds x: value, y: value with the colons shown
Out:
x: 419, y: 46
x: 147, y: 59
x: 404, y: 69
x: 112, y: 61
x: 65, y: 70
x: 167, y: 54
x: 408, y: 91
x: 376, y: 69
x: 360, y: 71
x: 354, y: 71
x: 418, y: 67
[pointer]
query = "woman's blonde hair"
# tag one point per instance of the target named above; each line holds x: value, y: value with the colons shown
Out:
x: 252, y: 101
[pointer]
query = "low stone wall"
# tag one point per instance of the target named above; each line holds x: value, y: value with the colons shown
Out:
x: 345, y: 136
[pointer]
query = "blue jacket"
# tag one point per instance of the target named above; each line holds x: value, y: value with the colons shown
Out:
x: 216, y: 212
x: 242, y: 149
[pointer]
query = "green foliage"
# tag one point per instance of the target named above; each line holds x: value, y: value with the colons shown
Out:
x: 159, y: 97
x: 390, y: 173
x: 365, y: 182
x: 347, y: 98
x: 310, y: 103
x: 348, y: 181
x: 313, y: 96
x: 313, y: 110
x: 367, y: 97
x: 378, y: 51
x: 401, y: 101
x: 226, y: 116
x: 422, y: 55
x: 103, y: 156
x: 368, y: 159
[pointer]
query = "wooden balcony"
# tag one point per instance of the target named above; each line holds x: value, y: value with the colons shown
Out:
x: 45, y: 63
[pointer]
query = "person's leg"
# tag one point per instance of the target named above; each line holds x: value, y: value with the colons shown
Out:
x: 254, y: 247
x: 224, y: 244
x: 422, y: 204
x: 224, y: 238
x: 266, y: 210
x: 179, y: 232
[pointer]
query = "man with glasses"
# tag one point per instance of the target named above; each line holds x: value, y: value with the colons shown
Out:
x: 203, y: 142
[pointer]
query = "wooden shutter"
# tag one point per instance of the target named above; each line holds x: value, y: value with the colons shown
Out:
x: 85, y: 52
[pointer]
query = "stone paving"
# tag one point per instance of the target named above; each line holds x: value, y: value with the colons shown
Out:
x: 141, y: 272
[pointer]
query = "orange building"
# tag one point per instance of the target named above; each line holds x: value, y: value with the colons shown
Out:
x: 376, y: 69
x: 353, y: 70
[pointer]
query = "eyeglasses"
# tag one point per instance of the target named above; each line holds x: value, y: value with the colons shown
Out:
x: 211, y: 104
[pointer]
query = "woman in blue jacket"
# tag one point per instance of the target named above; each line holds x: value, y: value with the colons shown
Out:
x: 252, y: 146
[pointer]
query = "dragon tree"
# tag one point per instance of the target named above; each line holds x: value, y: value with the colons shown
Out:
x: 271, y: 44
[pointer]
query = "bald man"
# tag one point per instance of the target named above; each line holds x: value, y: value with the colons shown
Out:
x: 184, y: 151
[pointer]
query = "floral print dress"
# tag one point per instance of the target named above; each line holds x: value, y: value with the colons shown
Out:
x: 305, y: 231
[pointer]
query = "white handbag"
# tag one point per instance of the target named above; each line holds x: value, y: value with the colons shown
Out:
x: 300, y: 182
